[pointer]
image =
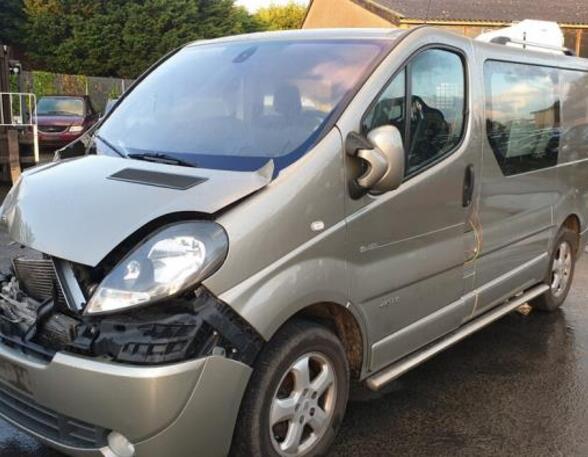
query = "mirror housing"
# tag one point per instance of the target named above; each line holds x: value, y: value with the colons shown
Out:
x: 384, y: 155
x: 77, y: 148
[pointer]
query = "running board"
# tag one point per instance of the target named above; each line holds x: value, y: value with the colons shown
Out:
x: 392, y: 372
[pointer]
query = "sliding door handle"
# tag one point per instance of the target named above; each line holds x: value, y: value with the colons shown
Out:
x: 468, y: 186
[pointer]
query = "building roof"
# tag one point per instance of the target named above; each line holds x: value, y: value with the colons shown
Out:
x: 507, y: 11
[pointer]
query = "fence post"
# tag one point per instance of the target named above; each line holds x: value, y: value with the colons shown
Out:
x: 13, y: 155
x: 5, y: 83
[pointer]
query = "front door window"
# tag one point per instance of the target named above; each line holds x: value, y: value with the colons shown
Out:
x: 433, y: 85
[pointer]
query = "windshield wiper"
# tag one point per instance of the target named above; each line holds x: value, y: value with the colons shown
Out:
x: 111, y: 146
x: 160, y: 157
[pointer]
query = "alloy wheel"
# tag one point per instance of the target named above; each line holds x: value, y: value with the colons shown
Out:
x: 561, y: 269
x: 303, y: 405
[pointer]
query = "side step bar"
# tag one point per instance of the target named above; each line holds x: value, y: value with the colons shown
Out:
x: 397, y: 369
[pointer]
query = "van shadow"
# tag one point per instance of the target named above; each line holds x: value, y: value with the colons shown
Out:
x: 517, y: 388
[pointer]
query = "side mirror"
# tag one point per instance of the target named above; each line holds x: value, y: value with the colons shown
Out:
x: 383, y: 158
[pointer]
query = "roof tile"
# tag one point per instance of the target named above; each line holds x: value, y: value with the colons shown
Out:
x: 562, y: 11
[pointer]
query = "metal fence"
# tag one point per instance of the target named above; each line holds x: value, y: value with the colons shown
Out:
x: 99, y: 89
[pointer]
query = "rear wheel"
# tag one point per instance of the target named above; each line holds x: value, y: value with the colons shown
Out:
x: 297, y: 395
x: 561, y: 272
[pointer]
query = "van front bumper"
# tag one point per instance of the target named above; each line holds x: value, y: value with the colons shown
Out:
x: 187, y: 409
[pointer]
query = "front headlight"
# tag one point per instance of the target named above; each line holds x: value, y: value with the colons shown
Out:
x: 167, y: 262
x: 76, y: 129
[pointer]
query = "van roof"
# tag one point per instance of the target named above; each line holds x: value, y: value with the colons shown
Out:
x: 314, y: 34
x: 495, y: 51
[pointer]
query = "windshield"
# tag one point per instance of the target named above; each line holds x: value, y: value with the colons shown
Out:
x: 60, y: 107
x: 235, y: 106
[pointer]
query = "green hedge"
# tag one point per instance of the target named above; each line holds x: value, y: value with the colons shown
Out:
x: 45, y: 83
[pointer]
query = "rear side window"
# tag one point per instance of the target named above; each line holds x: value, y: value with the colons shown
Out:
x: 523, y: 116
x: 574, y: 116
x: 432, y: 86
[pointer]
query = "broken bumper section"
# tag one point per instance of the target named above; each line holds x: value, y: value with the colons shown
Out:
x: 85, y: 407
x: 161, y: 380
x: 182, y: 329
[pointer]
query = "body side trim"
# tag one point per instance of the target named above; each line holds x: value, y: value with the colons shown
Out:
x: 377, y: 381
x: 506, y: 276
x: 375, y: 246
x: 517, y: 240
x: 452, y: 309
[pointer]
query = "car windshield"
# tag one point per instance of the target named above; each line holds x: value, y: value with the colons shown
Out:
x: 236, y: 105
x: 48, y: 106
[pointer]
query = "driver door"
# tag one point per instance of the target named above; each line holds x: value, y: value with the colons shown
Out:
x: 408, y: 247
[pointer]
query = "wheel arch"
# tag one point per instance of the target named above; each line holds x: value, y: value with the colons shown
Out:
x: 347, y: 324
x: 573, y: 223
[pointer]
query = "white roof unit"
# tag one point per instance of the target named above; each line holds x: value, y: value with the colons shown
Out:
x: 541, y: 36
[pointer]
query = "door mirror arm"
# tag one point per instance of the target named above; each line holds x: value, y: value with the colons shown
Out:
x: 380, y: 164
x: 353, y: 144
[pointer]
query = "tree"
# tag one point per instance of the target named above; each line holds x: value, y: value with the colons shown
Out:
x: 123, y: 37
x: 74, y: 36
x: 276, y: 17
x: 11, y: 21
x: 156, y: 27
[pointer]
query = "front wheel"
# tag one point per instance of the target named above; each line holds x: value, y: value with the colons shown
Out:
x: 296, y: 397
x: 561, y: 272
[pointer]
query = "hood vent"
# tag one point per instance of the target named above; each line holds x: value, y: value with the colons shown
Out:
x: 157, y: 179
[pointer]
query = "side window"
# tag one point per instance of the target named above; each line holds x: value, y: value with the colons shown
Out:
x: 574, y: 116
x: 390, y: 109
x: 436, y: 115
x: 522, y: 116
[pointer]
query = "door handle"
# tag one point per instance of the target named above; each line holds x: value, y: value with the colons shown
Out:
x: 468, y: 186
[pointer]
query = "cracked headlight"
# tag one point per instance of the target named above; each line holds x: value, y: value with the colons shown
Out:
x: 169, y: 261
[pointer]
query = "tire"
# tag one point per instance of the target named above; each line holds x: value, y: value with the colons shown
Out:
x: 561, y: 265
x: 277, y: 376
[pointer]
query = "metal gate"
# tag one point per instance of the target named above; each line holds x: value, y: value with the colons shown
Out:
x: 18, y: 111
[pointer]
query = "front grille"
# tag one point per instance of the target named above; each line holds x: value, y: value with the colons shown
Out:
x: 52, y: 128
x: 37, y: 278
x: 47, y: 423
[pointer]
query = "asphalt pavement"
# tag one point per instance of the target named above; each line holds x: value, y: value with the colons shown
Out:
x: 517, y: 388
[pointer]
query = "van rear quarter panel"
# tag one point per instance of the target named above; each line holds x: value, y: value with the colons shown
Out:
x: 521, y: 214
x: 572, y: 173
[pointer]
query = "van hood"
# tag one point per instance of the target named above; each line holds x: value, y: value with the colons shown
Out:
x: 80, y: 209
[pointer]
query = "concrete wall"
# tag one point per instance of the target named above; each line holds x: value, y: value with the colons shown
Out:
x: 341, y: 13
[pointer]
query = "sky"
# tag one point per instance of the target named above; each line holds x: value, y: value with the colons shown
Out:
x: 253, y: 5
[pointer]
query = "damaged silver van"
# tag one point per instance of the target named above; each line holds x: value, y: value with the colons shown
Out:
x: 262, y: 219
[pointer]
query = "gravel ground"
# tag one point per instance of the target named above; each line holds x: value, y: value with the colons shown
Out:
x: 518, y: 388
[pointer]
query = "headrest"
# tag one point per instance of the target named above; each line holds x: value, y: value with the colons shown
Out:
x: 287, y: 100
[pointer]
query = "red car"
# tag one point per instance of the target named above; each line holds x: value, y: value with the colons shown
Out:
x: 63, y: 119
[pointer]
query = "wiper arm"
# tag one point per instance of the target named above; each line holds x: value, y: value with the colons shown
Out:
x: 160, y: 157
x: 114, y: 148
